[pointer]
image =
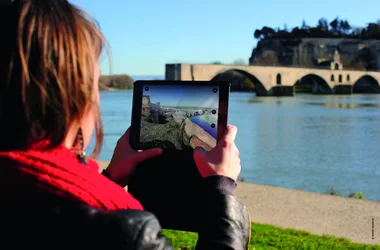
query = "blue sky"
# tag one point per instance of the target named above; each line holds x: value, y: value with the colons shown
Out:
x: 145, y: 35
x: 184, y: 96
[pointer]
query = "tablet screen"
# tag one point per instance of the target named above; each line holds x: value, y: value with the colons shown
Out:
x: 179, y: 116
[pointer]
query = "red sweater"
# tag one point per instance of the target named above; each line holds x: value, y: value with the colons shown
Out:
x: 60, y: 172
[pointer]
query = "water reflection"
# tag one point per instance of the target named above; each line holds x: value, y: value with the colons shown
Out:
x: 267, y: 100
x: 311, y: 142
x: 345, y: 105
x: 328, y: 101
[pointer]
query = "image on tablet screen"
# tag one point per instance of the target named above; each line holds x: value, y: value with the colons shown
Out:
x: 179, y: 116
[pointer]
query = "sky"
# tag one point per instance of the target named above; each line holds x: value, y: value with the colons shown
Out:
x: 183, y: 96
x: 147, y: 34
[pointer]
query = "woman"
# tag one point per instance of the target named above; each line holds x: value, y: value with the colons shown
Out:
x: 51, y: 195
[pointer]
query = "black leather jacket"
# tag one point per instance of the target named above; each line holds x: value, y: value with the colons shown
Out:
x: 45, y: 221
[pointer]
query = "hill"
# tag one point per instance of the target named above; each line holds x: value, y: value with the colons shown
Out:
x: 307, y: 46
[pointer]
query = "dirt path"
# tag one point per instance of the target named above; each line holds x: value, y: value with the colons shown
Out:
x: 316, y: 213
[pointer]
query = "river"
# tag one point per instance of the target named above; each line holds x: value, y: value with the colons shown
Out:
x: 308, y: 142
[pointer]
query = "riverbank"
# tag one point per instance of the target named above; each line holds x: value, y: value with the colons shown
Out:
x: 317, y: 213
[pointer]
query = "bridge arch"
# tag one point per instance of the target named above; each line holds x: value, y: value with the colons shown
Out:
x: 312, y: 83
x: 240, y: 77
x: 366, y: 85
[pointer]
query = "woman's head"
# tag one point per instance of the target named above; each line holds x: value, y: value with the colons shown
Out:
x: 49, y: 74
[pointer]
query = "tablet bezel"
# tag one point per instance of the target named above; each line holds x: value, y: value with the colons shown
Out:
x: 224, y: 91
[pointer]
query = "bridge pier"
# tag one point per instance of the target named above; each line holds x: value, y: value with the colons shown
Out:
x: 344, y: 89
x: 281, y: 91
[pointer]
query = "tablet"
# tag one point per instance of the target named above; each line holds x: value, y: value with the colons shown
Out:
x: 178, y: 115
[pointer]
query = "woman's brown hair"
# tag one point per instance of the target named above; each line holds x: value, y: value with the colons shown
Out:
x: 47, y: 60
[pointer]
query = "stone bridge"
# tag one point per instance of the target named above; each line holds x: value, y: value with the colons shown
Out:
x: 280, y: 81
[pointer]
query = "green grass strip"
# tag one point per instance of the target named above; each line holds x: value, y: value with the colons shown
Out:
x: 270, y: 237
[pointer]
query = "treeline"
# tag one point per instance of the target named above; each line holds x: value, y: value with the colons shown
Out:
x: 338, y: 28
x: 117, y: 82
x: 237, y: 62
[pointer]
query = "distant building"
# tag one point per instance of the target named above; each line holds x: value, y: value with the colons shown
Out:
x: 336, y: 63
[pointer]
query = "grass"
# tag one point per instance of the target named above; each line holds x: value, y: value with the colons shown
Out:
x: 269, y: 237
x: 355, y: 195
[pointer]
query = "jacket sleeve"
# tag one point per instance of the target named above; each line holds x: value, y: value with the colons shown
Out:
x: 128, y: 229
x: 227, y: 224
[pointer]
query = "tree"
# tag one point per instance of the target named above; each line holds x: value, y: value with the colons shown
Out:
x: 373, y: 30
x: 257, y: 34
x: 334, y: 25
x: 356, y: 32
x: 285, y: 27
x: 345, y: 27
x: 323, y: 25
x: 267, y: 32
x: 304, y: 25
x: 336, y: 28
x: 367, y: 58
x: 115, y: 82
x: 239, y: 62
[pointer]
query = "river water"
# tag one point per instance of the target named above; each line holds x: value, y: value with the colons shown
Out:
x: 308, y: 142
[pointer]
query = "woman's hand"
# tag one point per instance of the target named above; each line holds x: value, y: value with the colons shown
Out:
x: 125, y: 159
x: 222, y: 160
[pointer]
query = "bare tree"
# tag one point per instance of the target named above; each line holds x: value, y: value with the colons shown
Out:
x: 268, y: 57
x: 239, y: 62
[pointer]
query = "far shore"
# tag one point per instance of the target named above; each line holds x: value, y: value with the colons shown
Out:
x: 317, y: 213
x: 112, y: 89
